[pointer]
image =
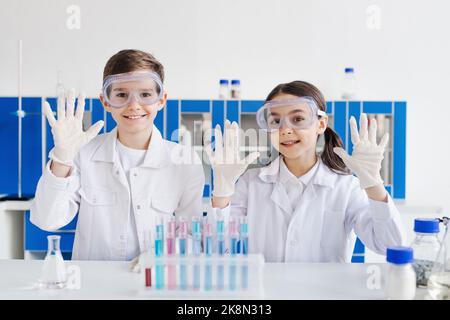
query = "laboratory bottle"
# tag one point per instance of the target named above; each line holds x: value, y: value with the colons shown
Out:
x: 235, y: 89
x: 426, y: 247
x: 401, y: 278
x: 54, y: 270
x: 224, y: 89
x: 349, y: 84
x: 439, y: 280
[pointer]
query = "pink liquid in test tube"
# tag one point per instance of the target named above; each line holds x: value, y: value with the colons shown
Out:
x: 171, y: 269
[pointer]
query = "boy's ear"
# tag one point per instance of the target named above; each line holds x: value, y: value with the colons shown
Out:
x: 162, y: 101
x: 104, y: 104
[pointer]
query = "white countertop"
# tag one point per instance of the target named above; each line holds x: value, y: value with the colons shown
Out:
x: 112, y: 280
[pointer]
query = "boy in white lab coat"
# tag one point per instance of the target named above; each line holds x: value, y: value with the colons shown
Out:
x: 120, y: 183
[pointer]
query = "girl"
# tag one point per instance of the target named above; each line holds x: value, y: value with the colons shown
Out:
x: 305, y: 207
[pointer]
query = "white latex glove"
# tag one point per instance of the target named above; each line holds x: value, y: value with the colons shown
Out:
x: 226, y: 162
x: 68, y: 134
x: 366, y: 158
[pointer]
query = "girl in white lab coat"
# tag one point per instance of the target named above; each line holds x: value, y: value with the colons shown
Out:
x: 120, y: 183
x: 306, y: 207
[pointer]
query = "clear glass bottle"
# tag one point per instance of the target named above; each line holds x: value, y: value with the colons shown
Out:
x: 439, y: 280
x: 235, y: 89
x: 54, y: 270
x: 349, y: 84
x: 401, y: 278
x: 224, y: 89
x: 426, y: 247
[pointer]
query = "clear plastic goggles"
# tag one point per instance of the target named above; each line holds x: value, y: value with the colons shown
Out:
x: 299, y: 113
x: 145, y: 88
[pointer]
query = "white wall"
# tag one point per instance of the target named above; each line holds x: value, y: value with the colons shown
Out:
x: 262, y: 43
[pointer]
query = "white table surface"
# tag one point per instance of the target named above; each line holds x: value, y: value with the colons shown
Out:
x: 112, y: 280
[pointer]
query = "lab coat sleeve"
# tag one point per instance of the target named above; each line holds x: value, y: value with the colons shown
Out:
x: 56, y: 200
x: 191, y: 198
x: 376, y: 223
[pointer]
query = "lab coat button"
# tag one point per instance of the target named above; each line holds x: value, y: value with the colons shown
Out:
x: 135, y: 174
x: 138, y: 207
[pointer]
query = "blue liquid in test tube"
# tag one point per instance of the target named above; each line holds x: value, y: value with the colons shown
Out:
x: 220, y: 230
x: 196, y: 236
x: 244, y: 236
x: 159, y: 250
x: 183, y: 236
x: 207, y: 231
x: 234, y: 235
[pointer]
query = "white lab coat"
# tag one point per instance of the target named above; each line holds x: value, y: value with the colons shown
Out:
x: 322, y: 228
x: 167, y: 181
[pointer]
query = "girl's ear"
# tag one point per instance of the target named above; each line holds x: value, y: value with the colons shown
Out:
x: 162, y: 101
x: 323, y: 124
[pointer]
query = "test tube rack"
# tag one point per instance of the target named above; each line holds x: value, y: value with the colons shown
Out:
x: 227, y: 275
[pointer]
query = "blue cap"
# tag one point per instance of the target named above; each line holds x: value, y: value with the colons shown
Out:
x: 235, y: 81
x: 426, y: 225
x: 399, y: 255
x: 224, y: 81
x: 349, y: 70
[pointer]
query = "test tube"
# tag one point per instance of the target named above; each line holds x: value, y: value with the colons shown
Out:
x: 148, y: 270
x: 182, y: 239
x: 220, y: 230
x: 207, y: 231
x: 159, y: 240
x: 171, y: 269
x: 233, y: 234
x: 182, y: 236
x: 196, y: 236
x: 171, y: 236
x: 243, y: 228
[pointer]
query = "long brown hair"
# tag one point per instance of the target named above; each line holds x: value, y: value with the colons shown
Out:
x: 305, y: 89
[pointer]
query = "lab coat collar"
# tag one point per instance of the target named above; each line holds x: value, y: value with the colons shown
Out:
x: 157, y: 155
x: 323, y: 177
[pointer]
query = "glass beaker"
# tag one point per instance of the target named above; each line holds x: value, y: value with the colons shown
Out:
x: 439, y: 280
x: 53, y: 271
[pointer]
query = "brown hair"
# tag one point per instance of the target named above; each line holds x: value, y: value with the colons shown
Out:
x: 305, y: 89
x: 132, y: 60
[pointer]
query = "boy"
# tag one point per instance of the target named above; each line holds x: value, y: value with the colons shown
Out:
x: 121, y: 182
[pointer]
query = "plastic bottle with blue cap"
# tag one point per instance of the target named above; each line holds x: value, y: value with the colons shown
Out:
x: 401, y: 278
x: 349, y: 84
x: 235, y: 89
x: 426, y: 247
x: 224, y: 89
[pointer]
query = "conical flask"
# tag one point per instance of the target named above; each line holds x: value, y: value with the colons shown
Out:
x: 54, y: 271
x: 439, y: 280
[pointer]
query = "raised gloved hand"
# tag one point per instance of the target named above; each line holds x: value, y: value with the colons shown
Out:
x: 226, y: 161
x: 366, y: 158
x: 68, y: 134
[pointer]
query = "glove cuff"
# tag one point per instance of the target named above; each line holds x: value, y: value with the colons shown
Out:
x: 54, y: 154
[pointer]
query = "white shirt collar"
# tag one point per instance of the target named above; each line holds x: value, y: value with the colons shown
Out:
x: 287, y: 177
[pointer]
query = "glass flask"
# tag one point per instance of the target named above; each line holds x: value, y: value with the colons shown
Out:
x: 439, y: 280
x: 54, y: 271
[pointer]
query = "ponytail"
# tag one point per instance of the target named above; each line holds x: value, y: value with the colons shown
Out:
x: 329, y: 158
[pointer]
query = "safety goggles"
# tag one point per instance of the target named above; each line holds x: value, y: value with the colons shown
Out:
x: 302, y: 113
x: 145, y: 88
